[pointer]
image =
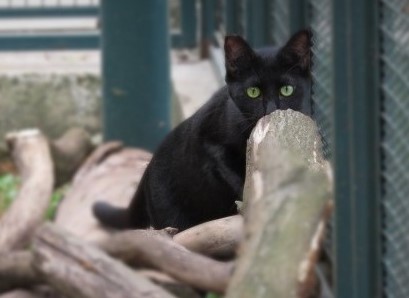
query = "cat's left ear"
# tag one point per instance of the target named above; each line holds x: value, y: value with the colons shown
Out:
x: 297, y: 50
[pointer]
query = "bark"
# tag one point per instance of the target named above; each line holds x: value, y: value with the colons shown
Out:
x: 32, y: 155
x: 80, y: 270
x: 69, y: 152
x: 111, y: 173
x: 217, y: 238
x: 156, y: 249
x: 285, y: 193
x: 20, y: 294
x: 16, y: 271
x: 172, y: 285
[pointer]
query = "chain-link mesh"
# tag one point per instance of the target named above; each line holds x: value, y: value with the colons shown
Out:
x: 320, y: 14
x: 279, y: 16
x: 46, y: 3
x: 395, y: 144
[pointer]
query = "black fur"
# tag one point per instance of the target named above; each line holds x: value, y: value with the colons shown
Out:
x: 197, y: 173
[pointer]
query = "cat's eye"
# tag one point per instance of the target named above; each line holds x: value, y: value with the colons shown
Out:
x: 253, y: 92
x: 286, y: 90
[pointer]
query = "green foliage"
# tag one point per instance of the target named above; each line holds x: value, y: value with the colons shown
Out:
x: 8, y: 190
x: 55, y: 200
x: 212, y: 295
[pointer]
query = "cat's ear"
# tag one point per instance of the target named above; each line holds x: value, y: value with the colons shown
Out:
x: 297, y: 51
x: 238, y: 55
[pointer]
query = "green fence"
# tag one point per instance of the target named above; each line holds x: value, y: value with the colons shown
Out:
x: 360, y: 102
x: 25, y: 13
x: 395, y: 144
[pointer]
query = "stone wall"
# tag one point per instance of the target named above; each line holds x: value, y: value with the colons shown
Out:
x: 53, y: 103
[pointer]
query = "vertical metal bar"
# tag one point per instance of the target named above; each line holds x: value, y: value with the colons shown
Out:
x: 188, y: 25
x: 298, y: 10
x: 136, y: 77
x: 231, y: 16
x: 356, y: 150
x: 256, y: 22
x: 208, y: 26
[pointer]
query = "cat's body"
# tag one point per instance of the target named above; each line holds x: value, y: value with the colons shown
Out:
x: 198, y: 171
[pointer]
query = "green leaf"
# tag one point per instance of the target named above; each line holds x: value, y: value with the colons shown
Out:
x: 8, y: 190
x: 212, y: 295
x: 55, y: 200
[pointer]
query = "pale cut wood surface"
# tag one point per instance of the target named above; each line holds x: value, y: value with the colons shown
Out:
x: 285, y: 193
x: 32, y: 156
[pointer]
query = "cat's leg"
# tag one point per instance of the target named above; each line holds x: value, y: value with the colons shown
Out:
x: 166, y: 212
x: 230, y: 176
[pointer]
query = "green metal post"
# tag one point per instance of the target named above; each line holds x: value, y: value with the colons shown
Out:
x: 186, y: 38
x: 208, y: 26
x: 189, y: 22
x: 136, y: 76
x: 256, y: 22
x: 231, y: 17
x: 357, y: 149
x: 298, y: 15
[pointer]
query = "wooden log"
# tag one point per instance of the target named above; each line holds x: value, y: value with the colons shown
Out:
x: 20, y: 294
x: 69, y: 152
x: 217, y: 238
x: 32, y: 155
x: 156, y: 249
x: 111, y: 173
x: 97, y: 157
x: 35, y: 292
x: 285, y: 193
x: 80, y: 270
x: 16, y: 271
x: 170, y: 284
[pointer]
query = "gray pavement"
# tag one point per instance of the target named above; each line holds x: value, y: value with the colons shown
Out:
x: 194, y: 80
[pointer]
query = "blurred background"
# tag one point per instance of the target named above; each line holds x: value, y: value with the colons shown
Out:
x: 130, y: 70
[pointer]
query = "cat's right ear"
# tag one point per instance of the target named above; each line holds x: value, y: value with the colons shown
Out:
x: 238, y: 56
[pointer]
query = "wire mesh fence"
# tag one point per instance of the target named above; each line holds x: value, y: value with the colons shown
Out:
x: 395, y: 145
x: 320, y: 12
x: 239, y: 17
x: 280, y: 16
x: 394, y: 116
x: 46, y: 3
x: 49, y: 24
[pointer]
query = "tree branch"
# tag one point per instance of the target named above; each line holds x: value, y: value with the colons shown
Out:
x: 80, y: 270
x: 156, y: 249
x: 32, y: 155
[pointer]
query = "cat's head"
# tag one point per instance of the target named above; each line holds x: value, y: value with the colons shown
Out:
x: 269, y: 79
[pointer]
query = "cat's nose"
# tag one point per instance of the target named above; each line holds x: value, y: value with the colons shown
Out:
x: 269, y: 107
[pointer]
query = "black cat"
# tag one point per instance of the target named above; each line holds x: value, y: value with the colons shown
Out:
x: 198, y: 171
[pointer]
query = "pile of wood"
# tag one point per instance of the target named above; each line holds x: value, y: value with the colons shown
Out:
x: 270, y: 251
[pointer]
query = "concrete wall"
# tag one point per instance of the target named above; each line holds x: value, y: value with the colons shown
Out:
x: 52, y: 103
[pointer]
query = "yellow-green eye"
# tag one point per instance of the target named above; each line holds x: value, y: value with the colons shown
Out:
x: 253, y: 92
x: 286, y: 90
